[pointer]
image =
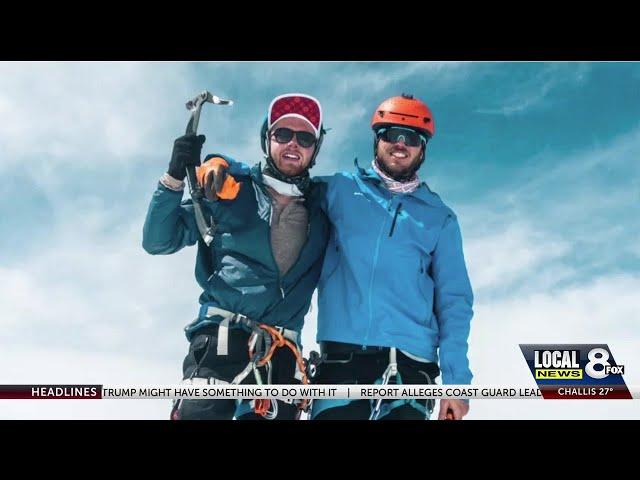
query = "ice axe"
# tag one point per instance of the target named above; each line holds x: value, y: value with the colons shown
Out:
x: 197, y: 192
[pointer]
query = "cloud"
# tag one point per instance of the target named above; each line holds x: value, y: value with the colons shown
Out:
x: 559, y: 215
x: 354, y: 81
x: 533, y: 91
x: 522, y: 101
x: 592, y: 165
x: 91, y: 290
x: 62, y: 113
x: 514, y: 254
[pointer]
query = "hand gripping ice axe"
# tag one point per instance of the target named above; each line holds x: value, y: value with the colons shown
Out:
x: 195, y: 105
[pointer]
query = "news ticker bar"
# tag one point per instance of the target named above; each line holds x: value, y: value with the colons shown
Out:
x: 206, y: 391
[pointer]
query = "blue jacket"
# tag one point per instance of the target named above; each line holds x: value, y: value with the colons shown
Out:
x: 394, y: 273
x: 238, y: 272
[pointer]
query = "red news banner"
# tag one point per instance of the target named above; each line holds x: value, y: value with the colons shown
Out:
x: 50, y: 392
x: 97, y: 392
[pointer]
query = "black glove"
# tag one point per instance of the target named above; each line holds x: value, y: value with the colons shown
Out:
x: 186, y: 152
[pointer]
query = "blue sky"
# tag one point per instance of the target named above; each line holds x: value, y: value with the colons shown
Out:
x: 541, y: 161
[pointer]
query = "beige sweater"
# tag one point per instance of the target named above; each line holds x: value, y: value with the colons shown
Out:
x: 289, y: 228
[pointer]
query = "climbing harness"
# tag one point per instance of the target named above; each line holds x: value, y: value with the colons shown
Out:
x: 263, y: 342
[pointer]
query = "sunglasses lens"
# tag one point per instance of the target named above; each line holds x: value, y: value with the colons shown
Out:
x: 393, y: 135
x: 305, y: 139
x: 283, y: 135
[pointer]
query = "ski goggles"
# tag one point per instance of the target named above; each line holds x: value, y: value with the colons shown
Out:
x: 411, y: 138
x: 284, y: 135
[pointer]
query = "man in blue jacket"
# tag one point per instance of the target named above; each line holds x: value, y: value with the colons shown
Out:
x: 260, y: 271
x: 394, y: 297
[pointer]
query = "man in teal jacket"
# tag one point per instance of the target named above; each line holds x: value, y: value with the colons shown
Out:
x: 394, y: 297
x: 260, y: 271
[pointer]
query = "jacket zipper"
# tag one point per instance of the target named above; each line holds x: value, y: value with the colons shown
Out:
x: 395, y: 217
x: 373, y: 274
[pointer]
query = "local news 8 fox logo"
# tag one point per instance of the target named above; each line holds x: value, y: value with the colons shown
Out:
x: 550, y: 364
x: 580, y: 363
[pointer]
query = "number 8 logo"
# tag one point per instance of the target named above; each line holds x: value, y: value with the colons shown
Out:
x: 597, y: 356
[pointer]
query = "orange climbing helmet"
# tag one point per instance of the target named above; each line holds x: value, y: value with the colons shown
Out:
x: 406, y: 111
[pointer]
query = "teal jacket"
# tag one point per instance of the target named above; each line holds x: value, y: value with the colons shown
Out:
x: 238, y: 272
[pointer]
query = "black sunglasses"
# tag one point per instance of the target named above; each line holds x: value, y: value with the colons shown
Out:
x: 284, y: 135
x: 411, y: 138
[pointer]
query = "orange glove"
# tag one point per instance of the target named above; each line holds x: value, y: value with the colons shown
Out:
x: 212, y: 176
